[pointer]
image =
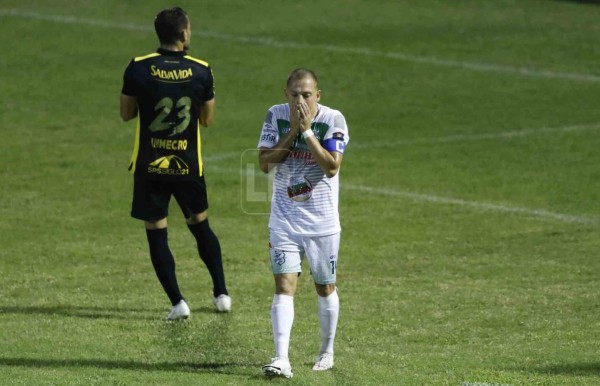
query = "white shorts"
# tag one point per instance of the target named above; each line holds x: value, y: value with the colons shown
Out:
x: 321, y: 253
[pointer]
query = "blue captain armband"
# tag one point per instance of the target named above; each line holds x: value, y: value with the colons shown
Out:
x: 335, y: 144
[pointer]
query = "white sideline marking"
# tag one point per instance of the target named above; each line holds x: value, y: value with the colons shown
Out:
x: 220, y: 157
x: 270, y: 42
x: 475, y: 137
x: 474, y: 204
x: 484, y: 384
x: 541, y: 213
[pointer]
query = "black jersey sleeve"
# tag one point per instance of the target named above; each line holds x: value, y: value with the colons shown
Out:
x: 209, y: 91
x: 129, y: 81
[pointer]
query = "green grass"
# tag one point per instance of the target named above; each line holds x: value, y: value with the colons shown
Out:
x: 471, y: 260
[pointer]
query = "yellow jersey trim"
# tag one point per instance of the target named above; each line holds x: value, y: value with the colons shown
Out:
x: 202, y: 62
x: 136, y: 147
x: 200, y: 165
x: 140, y: 58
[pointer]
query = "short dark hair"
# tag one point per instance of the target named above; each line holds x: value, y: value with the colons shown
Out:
x: 169, y: 24
x: 301, y: 73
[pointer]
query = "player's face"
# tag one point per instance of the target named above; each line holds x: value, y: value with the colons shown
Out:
x: 303, y: 91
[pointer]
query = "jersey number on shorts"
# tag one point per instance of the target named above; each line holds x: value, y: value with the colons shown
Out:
x: 333, y: 266
x: 165, y: 106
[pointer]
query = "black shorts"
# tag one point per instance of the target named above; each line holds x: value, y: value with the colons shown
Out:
x: 151, y: 198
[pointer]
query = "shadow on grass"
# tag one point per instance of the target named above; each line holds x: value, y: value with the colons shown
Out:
x: 87, y: 312
x: 594, y: 2
x: 98, y: 312
x: 120, y: 365
x: 581, y: 369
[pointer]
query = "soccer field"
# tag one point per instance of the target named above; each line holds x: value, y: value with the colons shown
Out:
x: 469, y: 200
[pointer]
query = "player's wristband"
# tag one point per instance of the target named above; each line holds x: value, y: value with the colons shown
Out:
x: 307, y: 133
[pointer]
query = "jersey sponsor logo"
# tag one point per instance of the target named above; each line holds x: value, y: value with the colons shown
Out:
x: 173, y: 75
x: 300, y: 189
x: 169, y: 165
x: 298, y: 154
x: 279, y: 257
x: 268, y: 137
x: 169, y: 144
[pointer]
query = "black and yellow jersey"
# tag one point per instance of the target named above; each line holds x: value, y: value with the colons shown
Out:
x: 170, y: 88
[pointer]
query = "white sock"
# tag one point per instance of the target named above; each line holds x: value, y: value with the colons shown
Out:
x: 282, y: 316
x: 329, y: 311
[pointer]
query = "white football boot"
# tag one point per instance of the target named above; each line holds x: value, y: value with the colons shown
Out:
x: 278, y: 367
x: 323, y: 362
x: 179, y: 311
x: 222, y: 303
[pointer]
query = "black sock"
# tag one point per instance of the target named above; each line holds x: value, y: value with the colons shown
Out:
x: 210, y: 253
x: 164, y: 263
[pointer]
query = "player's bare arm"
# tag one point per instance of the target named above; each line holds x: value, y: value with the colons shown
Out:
x: 207, y: 113
x: 269, y: 157
x: 329, y: 161
x: 128, y: 107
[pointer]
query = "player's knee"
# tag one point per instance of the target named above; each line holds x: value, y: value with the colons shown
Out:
x: 325, y: 290
x: 197, y: 218
x: 156, y: 224
x: 285, y: 284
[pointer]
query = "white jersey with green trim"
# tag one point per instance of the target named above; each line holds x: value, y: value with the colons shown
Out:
x: 304, y: 200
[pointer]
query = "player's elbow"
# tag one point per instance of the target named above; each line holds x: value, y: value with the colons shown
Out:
x: 205, y: 122
x: 263, y: 165
x: 207, y: 113
x: 331, y: 172
x: 128, y: 107
x: 263, y: 162
x: 331, y: 167
x: 264, y: 168
x: 127, y: 116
